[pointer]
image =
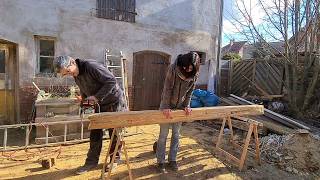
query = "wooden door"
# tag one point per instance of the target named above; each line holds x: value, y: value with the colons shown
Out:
x: 149, y: 71
x: 7, y: 100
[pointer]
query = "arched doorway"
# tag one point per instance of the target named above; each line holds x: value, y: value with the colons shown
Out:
x: 149, y: 71
x: 8, y: 76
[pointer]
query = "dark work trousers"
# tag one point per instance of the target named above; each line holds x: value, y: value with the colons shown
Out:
x: 96, y: 135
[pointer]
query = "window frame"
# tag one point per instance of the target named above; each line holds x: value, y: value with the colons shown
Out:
x: 38, y: 56
x: 105, y: 10
x: 203, y: 57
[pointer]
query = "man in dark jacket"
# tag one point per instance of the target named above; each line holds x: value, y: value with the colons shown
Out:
x: 96, y: 84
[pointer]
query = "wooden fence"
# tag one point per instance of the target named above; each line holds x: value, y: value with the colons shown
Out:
x: 252, y: 77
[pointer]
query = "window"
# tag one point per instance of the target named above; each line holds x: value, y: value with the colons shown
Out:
x: 202, y: 57
x: 45, y: 54
x: 2, y: 61
x: 119, y: 10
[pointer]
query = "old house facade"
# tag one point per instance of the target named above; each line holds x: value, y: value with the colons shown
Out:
x: 33, y: 32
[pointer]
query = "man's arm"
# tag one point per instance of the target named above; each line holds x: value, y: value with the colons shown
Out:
x: 105, y: 77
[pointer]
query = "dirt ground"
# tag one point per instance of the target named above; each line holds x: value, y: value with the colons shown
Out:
x: 197, y: 159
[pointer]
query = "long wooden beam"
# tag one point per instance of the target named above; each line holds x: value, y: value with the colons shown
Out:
x: 137, y: 118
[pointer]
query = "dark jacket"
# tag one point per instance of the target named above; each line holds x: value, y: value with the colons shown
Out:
x: 96, y: 80
x: 177, y: 89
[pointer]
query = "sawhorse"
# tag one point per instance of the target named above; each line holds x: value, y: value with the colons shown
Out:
x: 120, y: 140
x: 253, y: 128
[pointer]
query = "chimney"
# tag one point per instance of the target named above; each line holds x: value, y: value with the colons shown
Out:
x: 231, y: 42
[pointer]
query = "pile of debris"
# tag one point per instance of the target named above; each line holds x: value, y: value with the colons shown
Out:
x: 296, y: 153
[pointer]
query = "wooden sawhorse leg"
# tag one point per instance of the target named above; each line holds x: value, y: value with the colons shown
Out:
x: 253, y: 129
x: 120, y: 139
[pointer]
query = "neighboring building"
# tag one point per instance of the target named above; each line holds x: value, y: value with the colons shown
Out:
x: 302, y: 37
x: 149, y: 33
x: 257, y: 50
x: 237, y: 47
x: 263, y: 49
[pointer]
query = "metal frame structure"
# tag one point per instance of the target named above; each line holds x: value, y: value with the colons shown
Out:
x: 46, y: 125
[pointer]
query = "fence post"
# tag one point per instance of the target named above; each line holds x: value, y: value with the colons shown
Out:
x: 47, y: 134
x: 5, y: 138
x: 230, y: 76
x: 27, y: 135
x: 65, y: 133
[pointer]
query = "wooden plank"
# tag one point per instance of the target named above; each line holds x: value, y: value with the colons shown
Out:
x: 229, y: 156
x: 221, y: 133
x: 230, y: 76
x: 127, y: 159
x: 245, y: 147
x: 275, y: 116
x: 268, y: 123
x: 257, y: 143
x: 227, y: 101
x: 248, y: 120
x: 243, y: 125
x: 136, y: 118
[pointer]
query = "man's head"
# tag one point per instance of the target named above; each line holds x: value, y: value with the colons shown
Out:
x: 65, y: 65
x: 189, y: 63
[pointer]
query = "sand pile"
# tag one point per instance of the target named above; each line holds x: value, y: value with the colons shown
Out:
x: 298, y: 153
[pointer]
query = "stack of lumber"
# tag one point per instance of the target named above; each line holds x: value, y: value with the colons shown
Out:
x: 272, y: 121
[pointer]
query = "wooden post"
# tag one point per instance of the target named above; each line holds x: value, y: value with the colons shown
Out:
x: 27, y: 136
x: 221, y: 132
x: 230, y: 76
x: 120, y: 140
x: 107, y: 156
x: 230, y: 128
x: 257, y: 142
x: 65, y: 133
x: 114, y: 153
x: 245, y: 147
x: 127, y: 159
x: 5, y: 138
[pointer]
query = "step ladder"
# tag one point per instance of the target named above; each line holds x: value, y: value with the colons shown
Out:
x: 116, y: 65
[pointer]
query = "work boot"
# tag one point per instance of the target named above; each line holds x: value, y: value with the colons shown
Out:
x: 161, y: 168
x: 173, y: 165
x: 85, y: 168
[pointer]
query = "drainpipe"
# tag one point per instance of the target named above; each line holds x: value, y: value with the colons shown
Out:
x: 218, y: 70
x: 214, y: 72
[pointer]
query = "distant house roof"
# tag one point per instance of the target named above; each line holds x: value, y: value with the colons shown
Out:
x: 301, y: 40
x: 233, y: 47
x: 261, y: 49
x: 276, y: 47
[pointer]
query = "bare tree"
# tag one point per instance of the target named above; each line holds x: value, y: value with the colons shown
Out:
x: 297, y: 24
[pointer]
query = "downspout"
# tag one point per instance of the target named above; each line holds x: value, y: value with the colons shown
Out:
x: 214, y: 68
x: 217, y: 77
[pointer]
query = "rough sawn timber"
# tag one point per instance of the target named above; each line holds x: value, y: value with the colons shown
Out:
x: 137, y: 118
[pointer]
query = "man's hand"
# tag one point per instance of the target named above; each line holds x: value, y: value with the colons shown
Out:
x: 167, y: 113
x: 188, y: 111
x: 92, y: 98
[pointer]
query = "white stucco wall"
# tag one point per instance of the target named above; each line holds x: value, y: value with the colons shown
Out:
x: 170, y: 26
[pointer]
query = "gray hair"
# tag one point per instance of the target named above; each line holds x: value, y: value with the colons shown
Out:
x: 61, y: 62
